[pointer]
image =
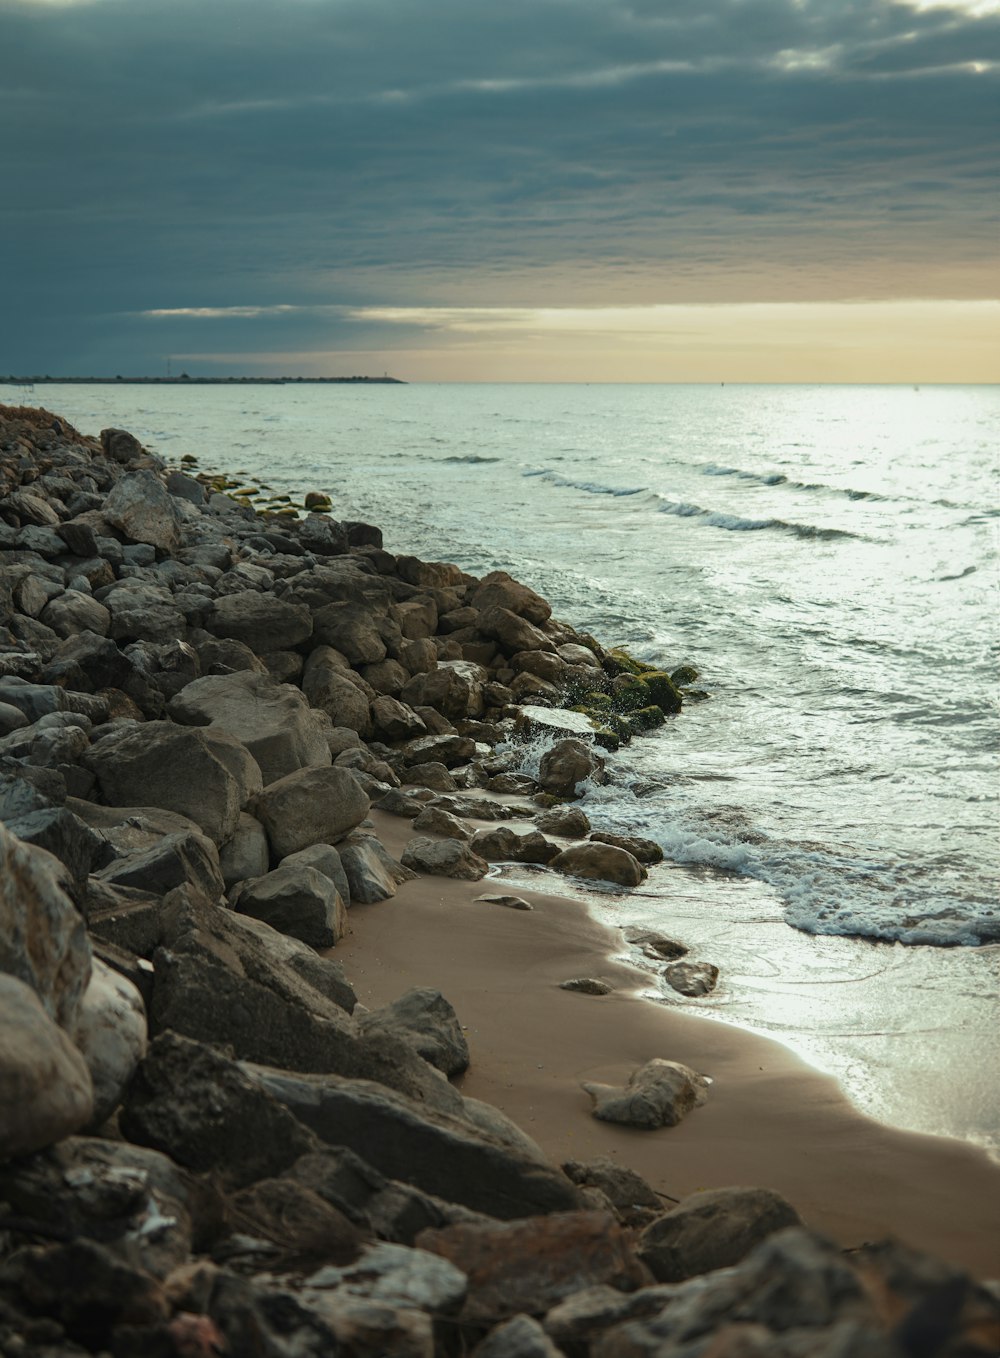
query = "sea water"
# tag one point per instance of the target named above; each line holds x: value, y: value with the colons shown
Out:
x: 826, y: 557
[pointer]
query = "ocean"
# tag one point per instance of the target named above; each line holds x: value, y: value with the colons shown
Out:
x: 826, y: 557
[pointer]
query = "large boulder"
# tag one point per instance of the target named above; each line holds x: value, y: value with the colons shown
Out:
x: 658, y: 1094
x: 273, y: 721
x: 567, y: 764
x: 140, y: 507
x: 713, y: 1229
x: 296, y: 900
x: 330, y: 685
x: 159, y: 763
x: 600, y: 863
x: 110, y: 1031
x: 43, y: 939
x: 352, y: 629
x: 454, y: 688
x: 425, y: 1019
x: 45, y: 1086
x: 261, y: 621
x: 504, y: 845
x: 171, y: 860
x: 444, y: 858
x: 312, y: 806
x: 499, y: 590
x: 514, y: 633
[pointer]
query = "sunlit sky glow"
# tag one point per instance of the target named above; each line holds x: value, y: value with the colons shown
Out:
x: 650, y: 190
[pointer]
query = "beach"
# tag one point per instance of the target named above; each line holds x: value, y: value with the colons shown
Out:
x: 295, y: 872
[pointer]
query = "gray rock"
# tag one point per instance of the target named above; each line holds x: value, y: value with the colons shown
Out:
x: 162, y: 764
x: 454, y: 688
x: 325, y: 859
x: 45, y: 1087
x: 74, y: 612
x: 587, y: 985
x: 283, y: 954
x: 432, y: 820
x: 425, y: 1019
x: 246, y: 854
x: 435, y: 776
x: 504, y: 845
x: 645, y: 850
x: 261, y: 621
x: 440, y: 1154
x: 658, y: 1094
x: 512, y: 632
x: 519, y: 1337
x: 713, y: 1229
x: 273, y: 721
x: 13, y: 719
x: 632, y: 1198
x: 566, y: 765
x: 692, y: 978
x: 392, y: 1275
x: 511, y: 902
x: 43, y: 940
x: 140, y: 506
x: 500, y: 590
x: 328, y: 685
x: 444, y: 858
x: 110, y: 1032
x: 311, y: 806
x: 370, y: 871
x: 184, y: 856
x: 653, y: 944
x: 398, y: 803
x: 568, y: 821
x: 62, y: 834
x: 446, y: 750
x: 352, y: 629
x: 298, y: 901
x: 393, y: 720
x: 600, y: 863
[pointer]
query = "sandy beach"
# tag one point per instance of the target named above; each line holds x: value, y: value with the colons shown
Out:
x: 769, y: 1121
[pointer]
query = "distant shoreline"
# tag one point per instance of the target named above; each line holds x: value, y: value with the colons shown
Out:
x: 185, y: 381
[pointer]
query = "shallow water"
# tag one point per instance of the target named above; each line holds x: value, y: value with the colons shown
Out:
x: 827, y: 558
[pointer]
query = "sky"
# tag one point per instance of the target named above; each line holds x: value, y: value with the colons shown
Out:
x: 501, y: 190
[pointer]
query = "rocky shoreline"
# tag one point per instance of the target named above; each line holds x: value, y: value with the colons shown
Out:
x: 206, y: 1144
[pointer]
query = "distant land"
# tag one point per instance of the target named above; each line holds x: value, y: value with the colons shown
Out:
x: 185, y: 381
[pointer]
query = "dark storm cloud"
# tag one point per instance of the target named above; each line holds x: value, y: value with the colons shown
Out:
x: 319, y: 154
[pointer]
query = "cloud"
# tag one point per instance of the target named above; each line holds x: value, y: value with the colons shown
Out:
x: 273, y: 159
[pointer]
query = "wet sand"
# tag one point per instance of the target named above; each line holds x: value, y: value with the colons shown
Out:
x: 770, y: 1120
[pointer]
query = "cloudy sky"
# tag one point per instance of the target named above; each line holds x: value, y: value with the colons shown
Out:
x: 656, y: 190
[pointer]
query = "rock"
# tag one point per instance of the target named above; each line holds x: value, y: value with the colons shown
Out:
x: 351, y: 629
x: 520, y: 1337
x: 393, y: 720
x: 45, y: 1087
x: 13, y: 719
x: 394, y: 1276
x: 425, y: 1019
x: 246, y: 854
x: 62, y: 834
x: 437, y: 1153
x: 43, y: 940
x: 454, y: 688
x: 282, y: 955
x: 512, y: 632
x: 273, y: 721
x: 328, y: 684
x: 432, y: 820
x: 195, y: 1105
x: 370, y: 871
x: 184, y: 856
x: 446, y: 750
x: 500, y: 590
x: 511, y: 902
x: 304, y: 1230
x: 653, y: 944
x: 713, y: 1229
x: 325, y: 859
x: 311, y: 806
x: 74, y: 612
x: 110, y: 1031
x: 444, y: 858
x: 691, y: 978
x: 630, y: 1195
x: 129, y: 1198
x: 568, y: 763
x: 587, y: 985
x: 645, y: 850
x: 504, y: 845
x: 86, y: 1289
x: 161, y: 764
x: 530, y: 1266
x: 567, y: 821
x: 140, y: 507
x: 600, y: 863
x: 261, y: 621
x: 658, y: 1094
x: 298, y: 901
x: 434, y: 776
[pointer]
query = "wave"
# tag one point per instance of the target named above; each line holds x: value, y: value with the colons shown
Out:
x: 844, y: 492
x: 824, y: 889
x: 735, y: 523
x: 590, y: 487
x: 468, y: 457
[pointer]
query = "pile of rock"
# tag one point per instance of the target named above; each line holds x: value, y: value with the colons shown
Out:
x: 205, y: 1146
